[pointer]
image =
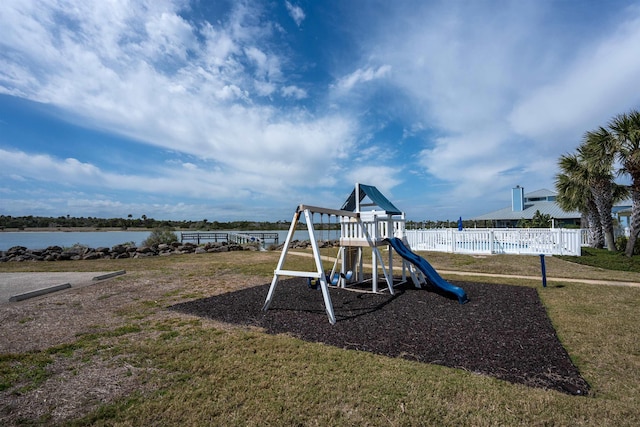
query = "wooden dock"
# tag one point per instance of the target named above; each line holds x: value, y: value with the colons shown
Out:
x: 204, y: 236
x: 241, y: 237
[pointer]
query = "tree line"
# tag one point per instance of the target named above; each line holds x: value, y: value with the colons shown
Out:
x: 22, y: 222
x: 30, y: 221
x: 587, y: 178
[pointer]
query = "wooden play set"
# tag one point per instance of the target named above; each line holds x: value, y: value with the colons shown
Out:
x: 361, y: 225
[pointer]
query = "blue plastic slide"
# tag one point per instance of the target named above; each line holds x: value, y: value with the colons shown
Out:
x: 430, y: 273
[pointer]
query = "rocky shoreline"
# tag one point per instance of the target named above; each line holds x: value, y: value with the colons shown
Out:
x: 77, y: 253
x: 57, y: 253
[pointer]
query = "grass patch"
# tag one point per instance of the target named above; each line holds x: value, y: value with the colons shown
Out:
x: 602, y: 258
x: 247, y: 378
x: 29, y: 370
x: 593, y: 324
x: 169, y: 335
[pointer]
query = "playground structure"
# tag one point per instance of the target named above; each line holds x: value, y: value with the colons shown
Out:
x: 359, y: 229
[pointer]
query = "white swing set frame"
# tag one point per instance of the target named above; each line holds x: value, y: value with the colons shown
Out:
x: 347, y: 258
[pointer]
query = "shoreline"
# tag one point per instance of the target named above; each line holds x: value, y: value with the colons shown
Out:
x: 113, y: 229
x: 73, y: 229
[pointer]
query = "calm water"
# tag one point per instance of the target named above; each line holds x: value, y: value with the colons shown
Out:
x: 40, y: 240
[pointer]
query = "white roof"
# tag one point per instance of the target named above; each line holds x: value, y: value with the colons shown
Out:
x: 546, y: 208
x: 539, y: 194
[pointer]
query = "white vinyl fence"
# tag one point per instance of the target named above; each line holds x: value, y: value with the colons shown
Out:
x: 520, y: 241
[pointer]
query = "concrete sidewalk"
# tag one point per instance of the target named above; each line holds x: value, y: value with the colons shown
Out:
x: 20, y: 286
x: 549, y: 279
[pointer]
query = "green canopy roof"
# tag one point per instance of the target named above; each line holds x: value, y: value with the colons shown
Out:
x: 376, y: 197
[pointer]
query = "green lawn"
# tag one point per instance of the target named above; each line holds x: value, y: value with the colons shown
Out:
x: 607, y: 260
x: 192, y: 371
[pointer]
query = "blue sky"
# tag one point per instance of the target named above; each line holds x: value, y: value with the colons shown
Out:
x: 241, y: 110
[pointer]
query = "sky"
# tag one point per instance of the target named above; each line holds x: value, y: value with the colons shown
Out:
x: 242, y: 110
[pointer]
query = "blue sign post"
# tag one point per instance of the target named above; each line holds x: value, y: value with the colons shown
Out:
x: 544, y: 271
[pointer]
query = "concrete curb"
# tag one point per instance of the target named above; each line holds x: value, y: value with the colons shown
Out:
x: 38, y: 292
x: 110, y: 275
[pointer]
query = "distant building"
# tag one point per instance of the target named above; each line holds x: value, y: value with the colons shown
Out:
x: 622, y: 212
x: 524, y: 206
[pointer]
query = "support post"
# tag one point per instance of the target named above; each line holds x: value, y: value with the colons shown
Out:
x: 283, y: 256
x: 320, y: 270
x: 544, y: 271
x: 360, y: 276
x: 344, y: 254
x: 374, y: 272
x: 318, y: 274
x: 390, y: 234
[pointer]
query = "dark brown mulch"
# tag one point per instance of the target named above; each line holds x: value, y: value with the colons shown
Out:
x: 503, y: 331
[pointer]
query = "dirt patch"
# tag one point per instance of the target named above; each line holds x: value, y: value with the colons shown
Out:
x: 503, y: 331
x: 74, y: 387
x: 77, y: 384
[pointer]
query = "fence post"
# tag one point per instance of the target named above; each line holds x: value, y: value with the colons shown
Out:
x: 560, y: 241
x: 491, y: 242
x: 454, y: 240
x: 450, y: 239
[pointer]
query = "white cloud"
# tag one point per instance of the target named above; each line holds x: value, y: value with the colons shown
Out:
x: 263, y: 88
x: 362, y: 75
x: 501, y: 91
x: 296, y: 12
x: 103, y: 206
x: 474, y: 163
x: 385, y: 178
x: 593, y: 88
x: 219, y: 47
x: 496, y: 93
x: 294, y: 92
x: 267, y: 66
x: 106, y: 69
x: 285, y: 153
x: 169, y: 35
x: 462, y: 66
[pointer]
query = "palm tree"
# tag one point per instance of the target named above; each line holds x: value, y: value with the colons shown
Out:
x: 626, y: 132
x: 575, y: 195
x: 598, y: 154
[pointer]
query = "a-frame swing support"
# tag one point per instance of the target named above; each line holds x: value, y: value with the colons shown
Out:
x: 319, y: 274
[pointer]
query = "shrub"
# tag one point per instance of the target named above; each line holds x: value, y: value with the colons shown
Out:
x: 159, y: 236
x: 621, y: 245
